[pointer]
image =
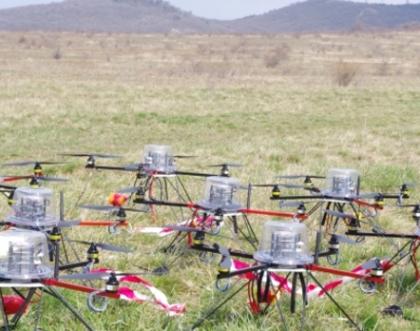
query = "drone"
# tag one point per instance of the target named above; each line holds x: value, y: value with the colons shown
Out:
x: 210, y: 214
x: 408, y: 250
x: 33, y: 260
x: 25, y: 265
x: 343, y: 189
x: 276, y: 268
x: 157, y: 177
x: 37, y: 177
x: 282, y: 250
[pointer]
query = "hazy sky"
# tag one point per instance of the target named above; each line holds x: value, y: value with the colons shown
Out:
x: 221, y: 9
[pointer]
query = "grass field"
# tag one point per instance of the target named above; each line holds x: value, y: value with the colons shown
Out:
x: 277, y: 104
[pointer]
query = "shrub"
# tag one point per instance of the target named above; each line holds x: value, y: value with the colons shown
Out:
x: 345, y: 73
x: 22, y: 40
x: 57, y: 54
x: 278, y: 55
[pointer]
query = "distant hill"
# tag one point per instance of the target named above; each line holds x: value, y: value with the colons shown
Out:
x: 146, y: 16
x: 156, y: 16
x: 330, y: 15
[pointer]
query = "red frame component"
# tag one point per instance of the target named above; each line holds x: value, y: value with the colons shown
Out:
x: 79, y: 288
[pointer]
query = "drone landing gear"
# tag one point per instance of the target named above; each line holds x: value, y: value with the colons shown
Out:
x: 247, y: 233
x: 357, y: 327
x: 214, y: 309
x: 263, y: 293
x: 12, y: 324
x: 159, y: 187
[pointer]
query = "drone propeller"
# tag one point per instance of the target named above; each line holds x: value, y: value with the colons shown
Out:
x: 67, y: 224
x: 291, y: 204
x: 227, y: 164
x: 226, y: 262
x: 8, y: 187
x: 413, y: 205
x: 184, y: 156
x: 110, y: 208
x: 130, y: 190
x: 300, y: 177
x: 133, y: 166
x: 28, y: 163
x: 342, y: 239
x: 104, y: 246
x: 96, y: 155
x: 339, y: 214
x: 408, y: 185
x: 183, y: 228
x: 101, y: 275
x: 225, y: 167
x: 405, y: 191
x: 372, y: 264
x: 280, y: 185
x: 50, y: 179
x: 37, y: 178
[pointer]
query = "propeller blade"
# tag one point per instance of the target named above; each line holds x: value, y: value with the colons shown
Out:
x: 371, y: 195
x: 184, y: 156
x: 27, y: 163
x: 98, y: 155
x: 99, y: 208
x: 129, y: 190
x: 292, y: 186
x: 371, y: 264
x: 291, y: 204
x: 226, y: 261
x: 227, y: 164
x: 7, y: 179
x: 300, y: 176
x: 338, y: 214
x: 183, y: 228
x: 133, y: 166
x: 101, y: 275
x: 8, y: 187
x: 414, y: 205
x: 264, y: 185
x: 68, y: 224
x: 104, y: 246
x: 344, y: 239
x: 51, y: 179
x: 409, y: 184
x: 111, y: 208
x: 113, y: 248
x: 87, y: 276
x: 135, y: 210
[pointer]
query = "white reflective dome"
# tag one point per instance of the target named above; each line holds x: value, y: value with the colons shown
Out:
x: 159, y: 158
x: 342, y: 183
x: 24, y: 255
x: 220, y: 194
x: 33, y: 207
x: 284, y: 244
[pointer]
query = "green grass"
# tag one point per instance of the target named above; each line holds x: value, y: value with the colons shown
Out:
x: 271, y: 123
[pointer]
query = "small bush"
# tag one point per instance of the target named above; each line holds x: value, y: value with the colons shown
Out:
x: 57, y: 54
x: 278, y: 55
x: 345, y: 73
x: 22, y: 40
x: 383, y: 69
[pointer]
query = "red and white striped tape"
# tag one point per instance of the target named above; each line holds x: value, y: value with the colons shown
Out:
x: 312, y: 289
x: 158, y: 298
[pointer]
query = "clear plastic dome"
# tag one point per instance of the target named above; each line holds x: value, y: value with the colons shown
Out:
x: 159, y: 158
x: 33, y: 207
x: 284, y: 244
x: 24, y: 255
x: 342, y: 183
x: 220, y: 194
